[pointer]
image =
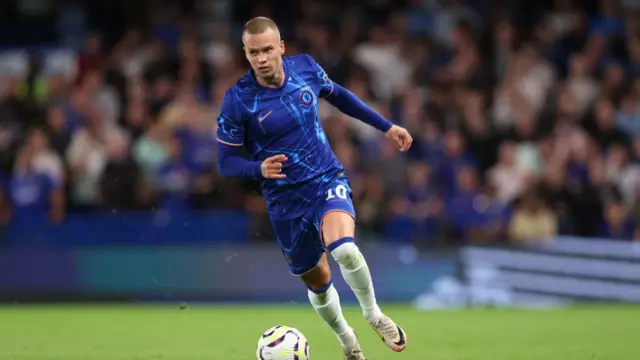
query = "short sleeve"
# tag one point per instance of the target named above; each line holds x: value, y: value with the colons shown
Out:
x: 325, y: 84
x: 230, y: 125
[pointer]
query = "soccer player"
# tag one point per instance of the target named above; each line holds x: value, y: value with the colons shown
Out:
x: 272, y: 112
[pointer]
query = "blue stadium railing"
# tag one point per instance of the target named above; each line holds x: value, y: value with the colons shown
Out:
x: 131, y: 228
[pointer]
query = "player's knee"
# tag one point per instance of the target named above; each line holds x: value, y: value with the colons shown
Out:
x: 347, y: 255
x: 337, y: 225
x: 319, y: 278
x: 319, y: 289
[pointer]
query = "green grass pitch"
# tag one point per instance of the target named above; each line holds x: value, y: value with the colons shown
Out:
x: 231, y: 333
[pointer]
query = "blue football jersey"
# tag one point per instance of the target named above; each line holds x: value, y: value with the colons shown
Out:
x: 284, y: 120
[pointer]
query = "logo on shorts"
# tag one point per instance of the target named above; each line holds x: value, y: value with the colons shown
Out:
x: 306, y: 97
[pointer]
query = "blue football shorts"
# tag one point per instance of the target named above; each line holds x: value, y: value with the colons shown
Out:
x: 300, y: 239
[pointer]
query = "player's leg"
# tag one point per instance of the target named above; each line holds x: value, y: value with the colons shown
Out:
x: 338, y: 231
x: 302, y: 248
x: 326, y: 301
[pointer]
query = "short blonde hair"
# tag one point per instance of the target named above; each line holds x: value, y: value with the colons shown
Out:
x: 258, y: 25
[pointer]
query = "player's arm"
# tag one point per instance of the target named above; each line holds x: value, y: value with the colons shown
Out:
x: 231, y: 163
x: 348, y: 103
x: 230, y: 136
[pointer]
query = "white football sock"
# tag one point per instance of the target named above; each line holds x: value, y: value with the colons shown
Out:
x: 356, y: 273
x: 327, y: 305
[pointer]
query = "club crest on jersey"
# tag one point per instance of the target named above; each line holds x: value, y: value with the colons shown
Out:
x: 306, y: 97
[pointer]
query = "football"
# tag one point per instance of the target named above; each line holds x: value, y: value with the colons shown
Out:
x: 282, y: 343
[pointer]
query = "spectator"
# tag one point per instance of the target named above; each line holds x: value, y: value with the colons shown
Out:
x: 603, y: 130
x: 58, y: 131
x: 581, y: 86
x: 622, y: 172
x: 616, y: 224
x: 391, y: 167
x: 91, y: 148
x: 591, y: 197
x: 455, y: 157
x: 426, y: 206
x: 150, y: 151
x: 505, y: 177
x: 370, y: 203
x: 532, y: 221
x: 43, y: 158
x: 91, y: 57
x: 34, y: 89
x: 554, y: 190
x: 36, y: 194
x: 174, y: 179
x: 198, y: 141
x: 381, y: 56
x: 101, y: 95
x: 628, y: 114
x: 462, y: 206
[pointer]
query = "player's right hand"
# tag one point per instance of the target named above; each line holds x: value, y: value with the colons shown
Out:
x: 400, y: 137
x: 272, y: 167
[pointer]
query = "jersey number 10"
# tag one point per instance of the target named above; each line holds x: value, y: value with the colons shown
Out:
x: 340, y: 191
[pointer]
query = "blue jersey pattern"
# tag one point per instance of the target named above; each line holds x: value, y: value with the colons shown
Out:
x: 272, y: 121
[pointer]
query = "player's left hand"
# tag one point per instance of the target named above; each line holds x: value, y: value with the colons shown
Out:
x: 400, y: 137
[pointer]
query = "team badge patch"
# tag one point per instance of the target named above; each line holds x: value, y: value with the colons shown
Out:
x: 306, y: 97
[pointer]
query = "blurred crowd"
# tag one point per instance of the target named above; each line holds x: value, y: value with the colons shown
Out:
x: 525, y: 116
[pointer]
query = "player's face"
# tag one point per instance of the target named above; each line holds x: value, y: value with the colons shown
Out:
x: 264, y: 52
